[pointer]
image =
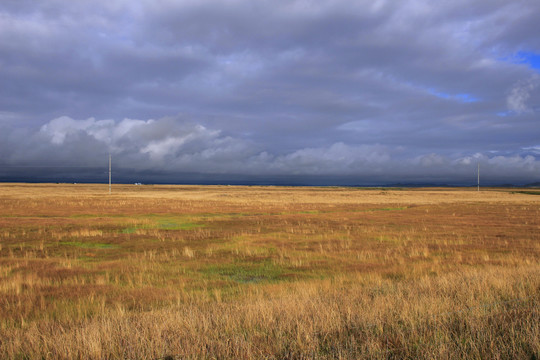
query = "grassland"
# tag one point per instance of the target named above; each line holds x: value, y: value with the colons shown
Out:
x: 262, y: 272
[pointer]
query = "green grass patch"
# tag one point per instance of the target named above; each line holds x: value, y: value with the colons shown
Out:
x: 129, y: 230
x: 163, y: 223
x: 246, y: 273
x: 171, y: 225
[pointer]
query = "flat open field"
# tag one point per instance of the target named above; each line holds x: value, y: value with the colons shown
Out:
x: 268, y: 272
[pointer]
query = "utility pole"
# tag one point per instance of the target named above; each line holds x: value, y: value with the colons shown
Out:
x: 109, y: 174
x: 478, y: 171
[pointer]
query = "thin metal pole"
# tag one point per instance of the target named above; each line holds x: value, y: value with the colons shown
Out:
x: 478, y: 177
x: 109, y: 173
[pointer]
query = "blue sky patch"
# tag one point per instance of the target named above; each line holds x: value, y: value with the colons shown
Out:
x: 463, y: 98
x: 527, y: 57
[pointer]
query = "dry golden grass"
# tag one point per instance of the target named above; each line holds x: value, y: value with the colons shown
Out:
x: 268, y: 272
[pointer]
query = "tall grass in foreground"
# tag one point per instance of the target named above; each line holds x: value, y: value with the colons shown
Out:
x: 247, y: 272
x: 484, y: 313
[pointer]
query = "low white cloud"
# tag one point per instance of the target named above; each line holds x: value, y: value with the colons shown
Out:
x: 430, y: 160
x: 63, y: 127
x: 518, y: 163
x: 337, y: 158
x: 170, y: 144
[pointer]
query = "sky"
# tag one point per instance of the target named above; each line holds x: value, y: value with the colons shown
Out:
x: 240, y: 91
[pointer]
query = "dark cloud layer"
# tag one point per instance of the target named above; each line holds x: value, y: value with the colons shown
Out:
x: 310, y: 91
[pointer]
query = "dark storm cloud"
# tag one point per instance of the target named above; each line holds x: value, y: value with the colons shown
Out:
x: 374, y: 89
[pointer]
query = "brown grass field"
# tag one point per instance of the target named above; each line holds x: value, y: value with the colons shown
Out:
x: 223, y: 272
